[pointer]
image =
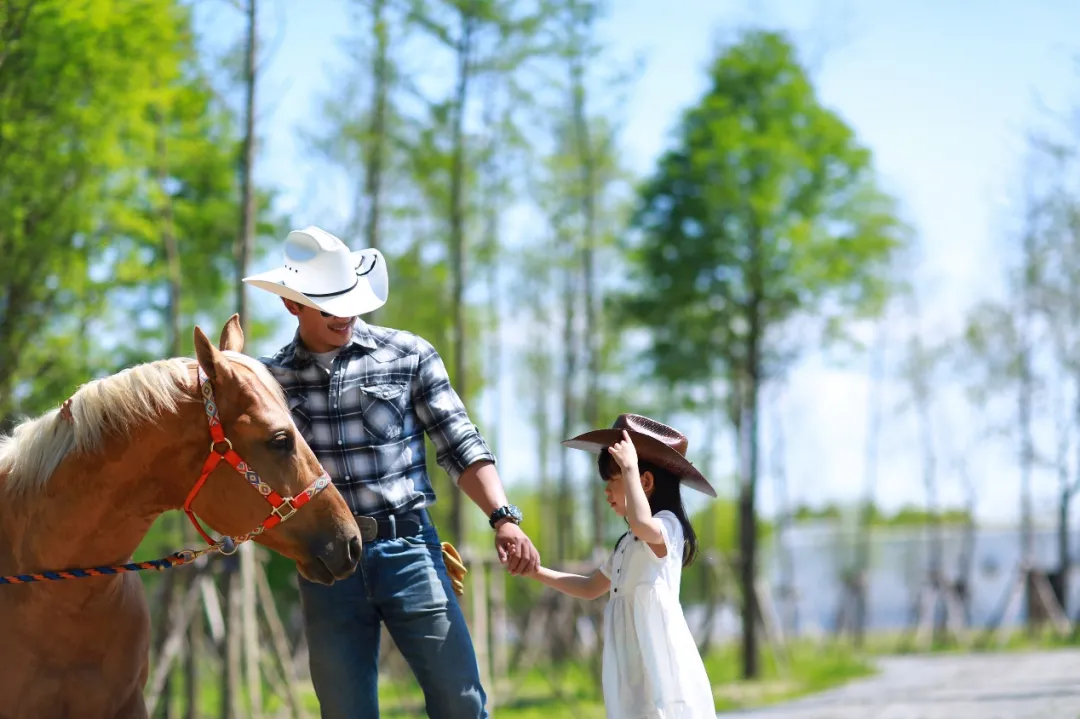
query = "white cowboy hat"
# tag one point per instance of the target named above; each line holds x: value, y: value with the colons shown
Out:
x: 321, y: 272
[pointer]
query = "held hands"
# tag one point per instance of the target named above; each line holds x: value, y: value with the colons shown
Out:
x: 625, y: 453
x: 516, y: 550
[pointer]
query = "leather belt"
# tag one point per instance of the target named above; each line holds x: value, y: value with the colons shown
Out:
x: 392, y: 526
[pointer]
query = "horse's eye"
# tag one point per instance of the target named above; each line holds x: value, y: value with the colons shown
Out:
x: 282, y: 442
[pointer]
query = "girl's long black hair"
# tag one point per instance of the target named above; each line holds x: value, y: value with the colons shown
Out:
x: 665, y: 495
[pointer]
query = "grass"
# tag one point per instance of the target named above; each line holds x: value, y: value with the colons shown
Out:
x: 810, y: 667
x: 571, y: 691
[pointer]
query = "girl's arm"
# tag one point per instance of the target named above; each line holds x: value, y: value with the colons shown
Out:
x: 576, y: 585
x: 638, y: 512
x: 639, y: 515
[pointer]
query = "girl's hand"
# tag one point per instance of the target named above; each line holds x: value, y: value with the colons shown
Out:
x: 624, y: 452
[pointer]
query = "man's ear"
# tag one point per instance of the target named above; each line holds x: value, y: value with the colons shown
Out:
x: 648, y: 482
x: 292, y: 307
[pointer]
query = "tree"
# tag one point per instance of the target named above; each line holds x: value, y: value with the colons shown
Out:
x: 483, y: 37
x: 76, y: 81
x: 764, y: 220
x: 135, y: 205
x: 1056, y: 300
x: 919, y: 369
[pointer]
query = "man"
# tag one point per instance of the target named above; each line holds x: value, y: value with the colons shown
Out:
x: 363, y: 396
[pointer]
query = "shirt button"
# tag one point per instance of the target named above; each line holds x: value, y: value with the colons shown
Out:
x: 347, y: 478
x: 339, y: 441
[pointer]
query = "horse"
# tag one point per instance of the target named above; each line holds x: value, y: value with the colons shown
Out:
x: 84, y: 492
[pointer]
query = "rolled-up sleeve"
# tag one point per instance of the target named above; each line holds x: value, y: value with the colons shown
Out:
x: 457, y: 441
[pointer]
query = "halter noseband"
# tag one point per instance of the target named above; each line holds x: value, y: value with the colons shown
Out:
x: 281, y: 508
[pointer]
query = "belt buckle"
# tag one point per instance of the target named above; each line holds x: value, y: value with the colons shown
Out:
x: 369, y: 528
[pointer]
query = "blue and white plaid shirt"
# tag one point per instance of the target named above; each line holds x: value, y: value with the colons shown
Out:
x: 366, y: 416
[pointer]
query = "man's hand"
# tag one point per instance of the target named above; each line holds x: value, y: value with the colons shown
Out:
x: 515, y: 549
x: 65, y: 411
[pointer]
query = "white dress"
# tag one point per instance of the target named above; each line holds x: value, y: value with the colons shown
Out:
x: 652, y: 669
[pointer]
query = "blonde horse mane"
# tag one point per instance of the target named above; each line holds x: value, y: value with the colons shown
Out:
x: 114, y: 404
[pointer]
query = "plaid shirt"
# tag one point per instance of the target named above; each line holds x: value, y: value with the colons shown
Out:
x: 365, y: 418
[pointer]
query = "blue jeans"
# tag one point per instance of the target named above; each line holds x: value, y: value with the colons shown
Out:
x: 402, y: 582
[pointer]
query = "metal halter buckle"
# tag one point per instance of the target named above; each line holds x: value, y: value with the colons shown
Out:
x: 278, y: 509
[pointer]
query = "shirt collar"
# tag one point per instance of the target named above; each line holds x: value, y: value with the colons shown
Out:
x: 299, y: 356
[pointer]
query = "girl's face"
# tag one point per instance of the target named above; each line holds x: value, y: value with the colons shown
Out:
x: 615, y: 491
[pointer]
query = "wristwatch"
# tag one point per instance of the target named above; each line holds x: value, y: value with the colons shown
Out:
x: 507, y: 511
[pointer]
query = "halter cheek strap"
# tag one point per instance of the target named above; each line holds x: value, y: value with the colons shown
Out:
x: 280, y: 508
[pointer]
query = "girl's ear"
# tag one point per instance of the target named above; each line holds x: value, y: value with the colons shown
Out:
x: 647, y: 482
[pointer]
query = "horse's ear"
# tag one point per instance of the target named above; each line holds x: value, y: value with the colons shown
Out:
x: 210, y: 358
x: 232, y: 335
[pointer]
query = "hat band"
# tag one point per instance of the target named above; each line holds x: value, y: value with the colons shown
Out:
x: 328, y: 294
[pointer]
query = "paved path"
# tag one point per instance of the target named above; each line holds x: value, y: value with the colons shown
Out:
x: 1044, y: 684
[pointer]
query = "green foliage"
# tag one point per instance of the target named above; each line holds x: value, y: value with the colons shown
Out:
x: 76, y: 80
x: 766, y: 210
x: 906, y: 516
x: 111, y: 141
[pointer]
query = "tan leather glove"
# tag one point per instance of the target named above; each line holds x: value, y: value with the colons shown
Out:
x: 454, y: 567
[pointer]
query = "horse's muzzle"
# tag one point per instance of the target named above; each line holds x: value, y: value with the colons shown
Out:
x: 341, y: 557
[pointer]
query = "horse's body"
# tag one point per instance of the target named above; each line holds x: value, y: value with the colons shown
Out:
x: 84, y: 493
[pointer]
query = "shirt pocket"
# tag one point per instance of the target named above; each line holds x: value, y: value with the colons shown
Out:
x: 298, y: 409
x: 383, y: 406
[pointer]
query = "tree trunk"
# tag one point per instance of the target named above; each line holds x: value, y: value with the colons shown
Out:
x: 783, y: 530
x: 377, y: 134
x: 966, y: 560
x: 919, y: 377
x: 457, y: 236
x: 168, y: 237
x: 862, y: 550
x: 175, y: 280
x: 583, y: 20
x: 548, y: 516
x: 748, y: 521
x: 245, y: 240
x: 493, y: 204
x: 1025, y: 389
x: 566, y: 533
x: 232, y: 566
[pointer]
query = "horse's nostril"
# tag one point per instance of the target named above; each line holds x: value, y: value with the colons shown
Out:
x: 354, y: 550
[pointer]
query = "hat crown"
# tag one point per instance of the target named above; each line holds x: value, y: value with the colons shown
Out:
x: 650, y: 427
x: 317, y: 262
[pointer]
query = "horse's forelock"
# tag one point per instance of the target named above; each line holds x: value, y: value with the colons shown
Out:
x: 261, y: 372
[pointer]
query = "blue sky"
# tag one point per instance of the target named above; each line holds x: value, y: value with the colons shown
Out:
x: 942, y: 92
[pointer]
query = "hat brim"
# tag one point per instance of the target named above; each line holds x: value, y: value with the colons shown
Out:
x: 649, y: 449
x: 369, y: 294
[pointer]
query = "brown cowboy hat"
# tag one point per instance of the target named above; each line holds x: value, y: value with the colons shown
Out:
x: 656, y: 443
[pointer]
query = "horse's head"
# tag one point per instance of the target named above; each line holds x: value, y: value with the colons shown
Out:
x: 322, y: 536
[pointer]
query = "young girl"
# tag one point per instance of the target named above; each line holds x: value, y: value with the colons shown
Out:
x: 651, y: 669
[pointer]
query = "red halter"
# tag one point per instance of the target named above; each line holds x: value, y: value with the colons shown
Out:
x: 281, y: 510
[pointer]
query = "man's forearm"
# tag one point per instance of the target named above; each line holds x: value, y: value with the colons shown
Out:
x: 481, y: 482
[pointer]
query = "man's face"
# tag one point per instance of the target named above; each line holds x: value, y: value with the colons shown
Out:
x: 319, y: 331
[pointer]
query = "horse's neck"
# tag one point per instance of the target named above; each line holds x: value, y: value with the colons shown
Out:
x: 96, y: 509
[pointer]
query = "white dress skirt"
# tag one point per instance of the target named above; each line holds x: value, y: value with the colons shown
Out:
x: 652, y: 669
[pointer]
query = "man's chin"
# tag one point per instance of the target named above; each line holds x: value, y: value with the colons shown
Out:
x: 315, y: 571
